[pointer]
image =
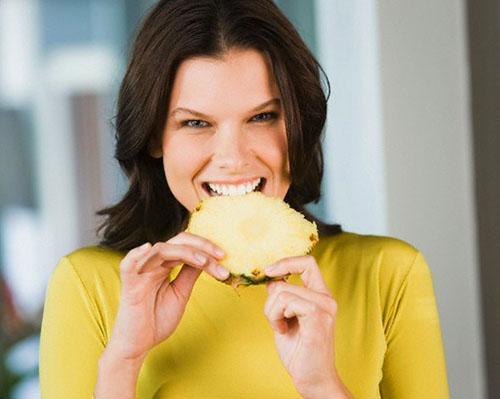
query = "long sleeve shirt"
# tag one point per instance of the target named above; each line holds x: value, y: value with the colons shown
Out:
x: 387, y: 337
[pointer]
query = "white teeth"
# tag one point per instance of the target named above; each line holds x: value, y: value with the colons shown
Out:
x: 231, y: 189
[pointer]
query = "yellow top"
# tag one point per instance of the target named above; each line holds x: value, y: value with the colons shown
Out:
x: 387, y: 336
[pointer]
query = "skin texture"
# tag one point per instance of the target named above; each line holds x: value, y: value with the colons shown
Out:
x: 232, y: 140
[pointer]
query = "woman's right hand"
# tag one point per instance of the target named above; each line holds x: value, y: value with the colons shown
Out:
x: 151, y: 306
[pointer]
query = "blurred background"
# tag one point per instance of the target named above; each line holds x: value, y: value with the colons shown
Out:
x: 412, y: 150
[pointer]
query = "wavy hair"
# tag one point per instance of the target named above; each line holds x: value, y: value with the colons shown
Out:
x: 173, y: 31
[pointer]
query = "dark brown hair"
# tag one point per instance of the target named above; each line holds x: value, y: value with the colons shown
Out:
x: 173, y: 31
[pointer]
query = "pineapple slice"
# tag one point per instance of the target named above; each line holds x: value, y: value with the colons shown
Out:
x: 254, y: 230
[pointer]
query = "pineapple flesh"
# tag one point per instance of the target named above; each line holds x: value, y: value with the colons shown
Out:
x: 254, y: 230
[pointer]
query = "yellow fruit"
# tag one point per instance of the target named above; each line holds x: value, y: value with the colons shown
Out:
x: 254, y: 230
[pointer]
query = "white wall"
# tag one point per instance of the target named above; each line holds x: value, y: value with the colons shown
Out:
x: 354, y: 164
x: 428, y: 151
x: 417, y: 141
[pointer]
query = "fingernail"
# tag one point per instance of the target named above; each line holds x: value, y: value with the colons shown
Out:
x: 270, y: 269
x: 219, y: 252
x: 200, y: 258
x: 222, y: 272
x: 144, y: 246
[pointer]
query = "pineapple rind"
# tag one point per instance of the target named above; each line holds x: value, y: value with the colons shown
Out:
x: 268, y: 225
x: 236, y: 280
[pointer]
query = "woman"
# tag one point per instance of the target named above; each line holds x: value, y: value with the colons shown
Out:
x: 226, y: 92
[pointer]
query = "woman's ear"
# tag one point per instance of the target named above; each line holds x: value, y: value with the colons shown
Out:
x: 155, y: 148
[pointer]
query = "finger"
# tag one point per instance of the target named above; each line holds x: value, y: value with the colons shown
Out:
x: 168, y: 255
x: 306, y: 266
x: 134, y: 256
x: 287, y: 305
x: 273, y: 310
x: 199, y: 242
x: 325, y: 301
x: 183, y: 284
x: 275, y: 305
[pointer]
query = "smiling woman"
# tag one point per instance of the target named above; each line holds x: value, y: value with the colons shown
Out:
x: 243, y: 63
x: 222, y: 97
x: 232, y: 145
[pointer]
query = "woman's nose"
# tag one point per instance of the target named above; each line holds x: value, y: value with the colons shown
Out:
x: 231, y: 150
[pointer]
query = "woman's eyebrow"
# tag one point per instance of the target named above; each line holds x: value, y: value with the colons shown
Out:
x: 273, y: 101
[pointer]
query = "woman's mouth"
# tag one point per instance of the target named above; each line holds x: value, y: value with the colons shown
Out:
x: 213, y: 189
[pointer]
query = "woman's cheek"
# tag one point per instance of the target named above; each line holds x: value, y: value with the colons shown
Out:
x: 275, y: 152
x: 182, y: 160
x: 185, y: 151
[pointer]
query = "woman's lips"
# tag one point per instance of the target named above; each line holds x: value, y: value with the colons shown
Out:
x: 260, y: 187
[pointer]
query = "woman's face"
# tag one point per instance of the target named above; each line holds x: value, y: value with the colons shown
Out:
x: 225, y: 127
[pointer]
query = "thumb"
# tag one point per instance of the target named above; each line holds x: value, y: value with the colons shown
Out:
x: 184, y: 282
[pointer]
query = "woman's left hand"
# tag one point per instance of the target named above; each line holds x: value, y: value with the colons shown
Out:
x: 303, y: 318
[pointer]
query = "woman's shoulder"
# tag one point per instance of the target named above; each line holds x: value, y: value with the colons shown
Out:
x: 389, y: 257
x: 366, y: 244
x: 94, y: 254
x: 381, y: 264
x: 86, y: 283
x: 89, y: 265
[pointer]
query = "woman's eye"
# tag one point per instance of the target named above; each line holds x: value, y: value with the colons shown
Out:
x: 200, y: 124
x: 265, y: 116
x: 194, y: 123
